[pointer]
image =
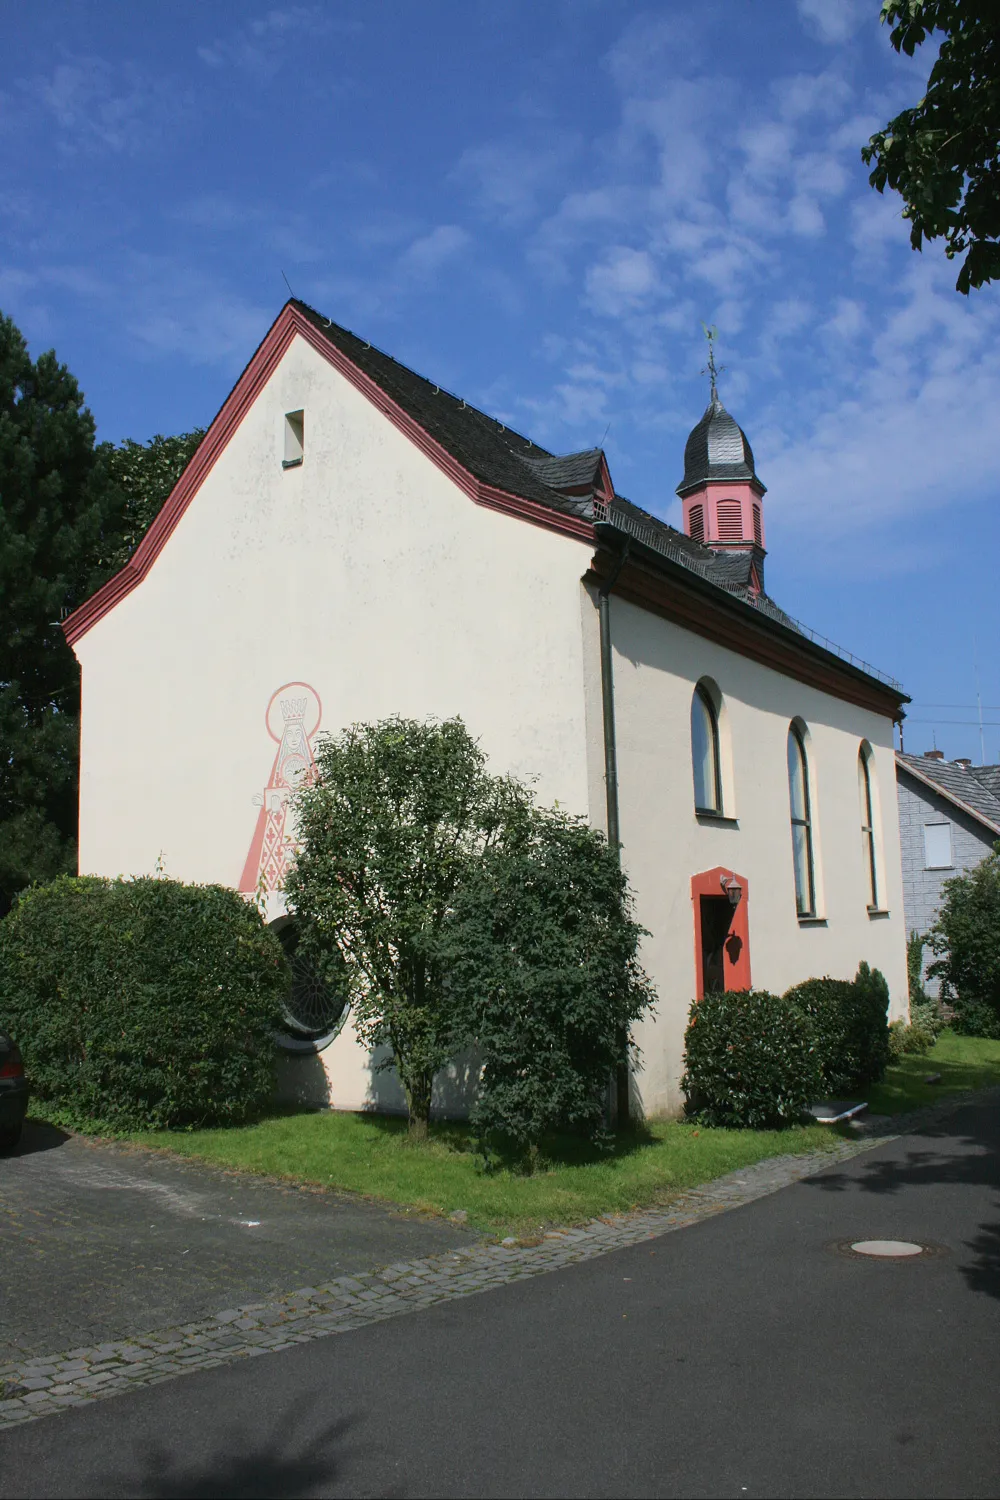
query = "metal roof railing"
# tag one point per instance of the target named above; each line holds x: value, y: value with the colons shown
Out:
x: 651, y: 535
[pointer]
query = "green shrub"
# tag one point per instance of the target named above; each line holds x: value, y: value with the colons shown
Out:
x: 966, y: 940
x: 926, y: 1013
x: 142, y: 1003
x: 751, y: 1059
x: 872, y: 1023
x: 912, y: 1038
x: 850, y: 1018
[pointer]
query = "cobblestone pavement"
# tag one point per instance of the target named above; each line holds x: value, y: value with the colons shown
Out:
x: 99, y: 1242
x: 38, y: 1386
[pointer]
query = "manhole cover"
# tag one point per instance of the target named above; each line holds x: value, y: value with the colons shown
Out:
x: 895, y: 1250
x: 889, y: 1249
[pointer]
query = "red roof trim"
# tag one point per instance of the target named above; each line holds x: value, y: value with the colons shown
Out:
x: 289, y: 323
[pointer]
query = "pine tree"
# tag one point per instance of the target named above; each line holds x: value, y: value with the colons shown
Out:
x: 59, y: 513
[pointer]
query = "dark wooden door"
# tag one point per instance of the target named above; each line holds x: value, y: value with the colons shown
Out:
x: 716, y: 917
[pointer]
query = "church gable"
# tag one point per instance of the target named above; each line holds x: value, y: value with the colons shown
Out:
x: 494, y: 466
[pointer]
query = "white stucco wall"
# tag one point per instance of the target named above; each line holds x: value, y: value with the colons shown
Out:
x: 365, y: 573
x: 656, y: 665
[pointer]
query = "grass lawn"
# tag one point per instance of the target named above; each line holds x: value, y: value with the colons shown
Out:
x: 370, y: 1154
x: 964, y: 1062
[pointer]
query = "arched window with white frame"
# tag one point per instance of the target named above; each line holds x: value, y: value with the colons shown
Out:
x: 706, y: 754
x: 800, y: 803
x: 866, y: 803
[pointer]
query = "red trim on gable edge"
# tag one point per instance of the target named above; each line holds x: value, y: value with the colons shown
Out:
x: 288, y: 323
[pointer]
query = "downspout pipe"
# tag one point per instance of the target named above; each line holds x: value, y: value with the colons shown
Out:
x: 611, y: 772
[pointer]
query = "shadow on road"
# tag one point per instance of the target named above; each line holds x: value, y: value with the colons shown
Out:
x: 38, y: 1136
x: 971, y: 1161
x: 247, y: 1461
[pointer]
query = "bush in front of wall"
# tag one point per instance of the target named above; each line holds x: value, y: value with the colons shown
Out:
x: 142, y: 1003
x: 751, y: 1059
x: 966, y: 941
x: 850, y: 1019
x: 927, y: 1014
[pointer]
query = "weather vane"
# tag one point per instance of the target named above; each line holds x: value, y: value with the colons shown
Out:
x: 712, y: 370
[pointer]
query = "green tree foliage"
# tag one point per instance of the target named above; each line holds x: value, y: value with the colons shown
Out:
x: 966, y: 939
x: 543, y: 960
x: 943, y: 154
x: 56, y: 513
x: 143, y: 474
x: 397, y: 812
x: 143, y: 1003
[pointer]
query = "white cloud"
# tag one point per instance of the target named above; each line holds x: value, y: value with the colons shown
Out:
x: 509, y: 179
x: 833, y: 21
x: 621, y: 280
x: 97, y: 107
x: 903, y: 437
x: 805, y: 217
x: 264, y: 44
x: 768, y: 148
x: 431, y: 251
x: 848, y: 320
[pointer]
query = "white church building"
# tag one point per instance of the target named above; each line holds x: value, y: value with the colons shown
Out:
x: 350, y: 541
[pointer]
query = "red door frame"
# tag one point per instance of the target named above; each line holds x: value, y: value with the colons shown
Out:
x: 736, y: 963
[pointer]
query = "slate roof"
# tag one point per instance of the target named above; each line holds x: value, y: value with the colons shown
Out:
x: 968, y: 787
x: 717, y: 448
x: 989, y: 776
x: 498, y: 455
x: 490, y: 450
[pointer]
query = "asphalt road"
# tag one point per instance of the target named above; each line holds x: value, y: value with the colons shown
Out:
x: 746, y: 1355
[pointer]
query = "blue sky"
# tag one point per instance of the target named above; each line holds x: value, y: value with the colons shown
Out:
x: 537, y: 204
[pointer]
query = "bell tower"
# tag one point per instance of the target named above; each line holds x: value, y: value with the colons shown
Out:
x: 721, y: 493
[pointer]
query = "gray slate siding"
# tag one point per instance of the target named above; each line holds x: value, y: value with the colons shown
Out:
x: 970, y: 842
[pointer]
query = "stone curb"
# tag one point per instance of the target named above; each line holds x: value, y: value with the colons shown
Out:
x: 38, y: 1387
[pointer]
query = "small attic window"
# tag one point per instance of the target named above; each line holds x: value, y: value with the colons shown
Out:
x: 294, y: 439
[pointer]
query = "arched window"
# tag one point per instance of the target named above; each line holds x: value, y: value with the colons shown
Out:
x: 867, y: 826
x: 705, y: 756
x: 802, y: 839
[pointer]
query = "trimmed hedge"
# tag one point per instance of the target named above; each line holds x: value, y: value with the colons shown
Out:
x: 143, y: 1003
x: 850, y: 1018
x: 751, y: 1060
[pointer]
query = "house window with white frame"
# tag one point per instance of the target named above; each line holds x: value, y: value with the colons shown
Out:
x: 937, y: 846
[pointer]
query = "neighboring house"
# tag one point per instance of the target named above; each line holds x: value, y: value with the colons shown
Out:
x: 949, y: 819
x: 350, y: 541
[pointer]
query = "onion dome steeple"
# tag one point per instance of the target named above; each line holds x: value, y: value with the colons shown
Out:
x: 718, y: 448
x: 721, y: 492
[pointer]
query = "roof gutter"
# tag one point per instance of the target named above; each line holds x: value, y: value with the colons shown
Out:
x: 611, y: 782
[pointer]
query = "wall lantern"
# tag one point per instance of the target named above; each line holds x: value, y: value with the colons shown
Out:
x: 732, y: 888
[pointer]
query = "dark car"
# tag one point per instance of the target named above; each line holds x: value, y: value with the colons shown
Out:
x: 13, y: 1092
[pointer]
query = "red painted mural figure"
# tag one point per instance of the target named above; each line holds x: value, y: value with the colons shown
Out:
x: 292, y: 719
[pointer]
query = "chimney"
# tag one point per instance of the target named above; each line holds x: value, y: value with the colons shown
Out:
x: 964, y: 761
x: 933, y: 755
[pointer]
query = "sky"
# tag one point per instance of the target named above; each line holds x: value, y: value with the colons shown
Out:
x: 537, y: 205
